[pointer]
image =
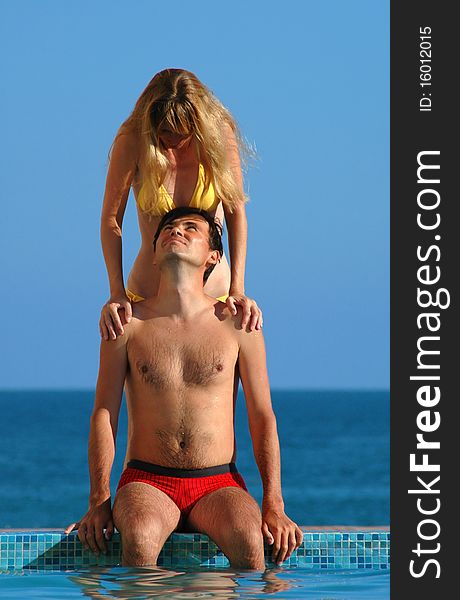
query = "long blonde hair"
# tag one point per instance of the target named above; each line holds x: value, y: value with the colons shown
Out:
x: 178, y: 99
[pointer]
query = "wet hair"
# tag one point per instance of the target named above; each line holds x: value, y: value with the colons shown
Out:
x: 215, y: 230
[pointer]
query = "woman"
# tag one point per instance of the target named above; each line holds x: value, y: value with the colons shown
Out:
x: 180, y: 146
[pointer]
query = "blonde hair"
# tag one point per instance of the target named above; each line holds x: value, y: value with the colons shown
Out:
x: 176, y: 98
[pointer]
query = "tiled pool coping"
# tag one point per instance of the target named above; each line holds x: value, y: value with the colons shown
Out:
x: 332, y: 547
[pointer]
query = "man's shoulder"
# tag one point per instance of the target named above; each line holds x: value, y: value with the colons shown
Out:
x: 232, y: 321
x: 140, y: 314
x: 221, y: 310
x: 144, y: 311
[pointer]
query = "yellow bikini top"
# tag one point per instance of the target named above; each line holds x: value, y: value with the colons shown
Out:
x: 200, y: 199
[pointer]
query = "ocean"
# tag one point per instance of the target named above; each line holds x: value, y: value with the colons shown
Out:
x: 334, y: 456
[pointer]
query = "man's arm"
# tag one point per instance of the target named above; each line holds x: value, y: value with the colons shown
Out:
x: 262, y: 420
x: 104, y: 419
x: 113, y: 366
x: 277, y: 527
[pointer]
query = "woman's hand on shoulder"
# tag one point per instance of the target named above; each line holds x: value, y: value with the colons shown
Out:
x: 115, y: 313
x: 251, y: 312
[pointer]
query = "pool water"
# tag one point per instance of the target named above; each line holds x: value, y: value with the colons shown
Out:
x: 156, y: 582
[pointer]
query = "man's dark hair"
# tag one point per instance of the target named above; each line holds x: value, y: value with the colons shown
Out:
x: 215, y: 230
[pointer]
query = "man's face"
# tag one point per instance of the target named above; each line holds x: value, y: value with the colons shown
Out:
x: 186, y: 238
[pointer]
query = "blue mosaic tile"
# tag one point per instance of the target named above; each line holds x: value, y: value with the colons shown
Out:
x: 56, y: 551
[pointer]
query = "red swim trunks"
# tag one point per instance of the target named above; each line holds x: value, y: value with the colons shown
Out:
x: 184, y: 486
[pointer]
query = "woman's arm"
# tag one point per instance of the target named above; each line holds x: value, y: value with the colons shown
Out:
x: 236, y: 222
x: 237, y: 227
x: 121, y: 172
x: 122, y: 168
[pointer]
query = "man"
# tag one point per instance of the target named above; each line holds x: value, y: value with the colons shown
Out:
x: 181, y: 355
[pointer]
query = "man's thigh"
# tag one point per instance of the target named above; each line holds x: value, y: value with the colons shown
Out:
x: 143, y: 510
x: 223, y: 512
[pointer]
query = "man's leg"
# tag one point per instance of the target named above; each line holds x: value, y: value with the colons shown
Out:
x: 145, y: 518
x: 231, y: 518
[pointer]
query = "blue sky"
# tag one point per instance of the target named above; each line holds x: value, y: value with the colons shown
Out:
x: 308, y: 83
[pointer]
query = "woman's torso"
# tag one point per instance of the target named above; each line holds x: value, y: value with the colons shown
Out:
x: 183, y: 186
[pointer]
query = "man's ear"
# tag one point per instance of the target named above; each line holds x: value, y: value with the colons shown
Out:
x: 214, y: 258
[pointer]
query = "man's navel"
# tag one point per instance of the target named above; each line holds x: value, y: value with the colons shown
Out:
x: 182, y: 443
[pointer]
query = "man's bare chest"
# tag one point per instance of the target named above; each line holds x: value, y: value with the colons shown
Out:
x: 167, y: 359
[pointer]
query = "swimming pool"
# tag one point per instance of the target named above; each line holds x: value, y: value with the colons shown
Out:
x: 123, y: 582
x: 332, y: 563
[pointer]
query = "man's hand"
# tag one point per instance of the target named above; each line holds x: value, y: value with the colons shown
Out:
x: 280, y: 531
x: 90, y: 527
